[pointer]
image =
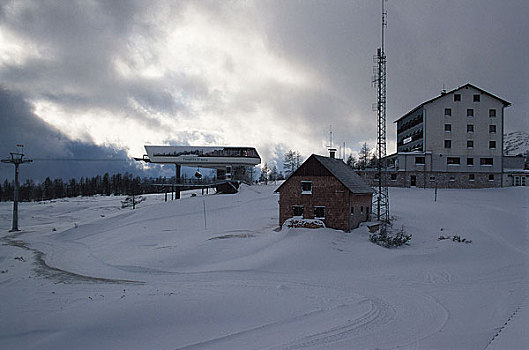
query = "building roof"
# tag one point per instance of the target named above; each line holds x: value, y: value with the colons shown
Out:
x: 342, y: 172
x: 505, y: 103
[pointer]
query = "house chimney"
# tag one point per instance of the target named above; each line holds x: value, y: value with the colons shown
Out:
x: 332, y: 152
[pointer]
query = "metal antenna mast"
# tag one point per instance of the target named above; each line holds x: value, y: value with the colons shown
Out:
x: 16, y: 159
x: 381, y: 198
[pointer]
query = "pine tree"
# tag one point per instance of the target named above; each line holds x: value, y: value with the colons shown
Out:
x: 264, y: 173
x: 363, y: 156
x: 351, y: 161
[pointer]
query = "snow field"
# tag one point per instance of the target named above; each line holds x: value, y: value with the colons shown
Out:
x: 176, y: 278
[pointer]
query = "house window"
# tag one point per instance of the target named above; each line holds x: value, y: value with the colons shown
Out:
x: 476, y: 98
x: 306, y: 187
x: 470, y: 144
x: 486, y: 161
x: 448, y: 127
x: 448, y: 112
x: 492, y: 113
x: 420, y: 161
x: 470, y: 161
x: 452, y: 179
x: 453, y: 160
x: 457, y: 97
x: 492, y: 144
x: 297, y: 210
x: 448, y: 143
x: 471, y: 177
x: 352, y: 210
x: 470, y: 112
x: 393, y: 177
x: 470, y: 127
x: 361, y: 209
x: 319, y: 212
x: 492, y: 129
x: 432, y: 178
x: 491, y: 177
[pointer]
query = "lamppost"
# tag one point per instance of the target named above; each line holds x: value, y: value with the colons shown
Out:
x: 16, y: 159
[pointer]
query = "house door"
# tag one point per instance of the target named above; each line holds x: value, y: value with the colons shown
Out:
x: 413, y: 181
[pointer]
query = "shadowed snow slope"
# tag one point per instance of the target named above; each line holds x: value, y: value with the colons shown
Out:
x: 211, y: 272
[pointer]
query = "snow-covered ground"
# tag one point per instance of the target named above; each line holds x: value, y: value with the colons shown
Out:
x: 212, y: 272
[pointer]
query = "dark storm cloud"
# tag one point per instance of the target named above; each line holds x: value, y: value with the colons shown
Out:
x: 78, y: 43
x: 51, y: 150
x: 430, y: 44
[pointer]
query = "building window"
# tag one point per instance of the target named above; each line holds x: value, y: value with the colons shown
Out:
x: 361, y: 209
x: 420, y: 161
x: 297, y: 210
x: 476, y: 98
x: 470, y: 112
x: 432, y: 178
x: 448, y: 143
x: 470, y: 127
x: 393, y: 177
x: 306, y: 187
x: 453, y: 160
x: 470, y: 161
x: 492, y: 113
x: 448, y: 127
x: 452, y: 178
x: 457, y: 97
x: 486, y: 161
x: 491, y: 177
x: 492, y: 144
x: 319, y: 212
x: 471, y: 177
x: 448, y: 112
x: 492, y: 129
x: 470, y: 144
x: 352, y: 210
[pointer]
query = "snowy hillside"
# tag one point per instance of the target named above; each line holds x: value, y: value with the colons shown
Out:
x: 211, y: 272
x: 516, y: 143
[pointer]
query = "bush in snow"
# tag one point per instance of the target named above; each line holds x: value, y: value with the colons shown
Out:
x: 131, y: 201
x: 455, y: 238
x: 303, y: 223
x: 390, y: 239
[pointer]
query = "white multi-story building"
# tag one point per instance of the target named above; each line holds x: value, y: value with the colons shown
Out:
x: 452, y: 140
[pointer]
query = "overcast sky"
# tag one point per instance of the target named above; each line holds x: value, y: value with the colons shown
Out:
x: 115, y: 75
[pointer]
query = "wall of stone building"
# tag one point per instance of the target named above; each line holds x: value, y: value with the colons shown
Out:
x: 440, y: 180
x: 361, y: 209
x: 327, y: 191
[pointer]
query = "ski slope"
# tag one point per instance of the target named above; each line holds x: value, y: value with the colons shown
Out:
x: 213, y: 272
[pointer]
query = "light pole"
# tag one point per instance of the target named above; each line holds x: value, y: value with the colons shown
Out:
x: 16, y: 159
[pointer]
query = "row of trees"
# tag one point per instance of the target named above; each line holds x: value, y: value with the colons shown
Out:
x: 116, y: 184
x: 292, y: 160
x: 366, y: 158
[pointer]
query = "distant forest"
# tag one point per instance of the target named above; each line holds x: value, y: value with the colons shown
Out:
x: 117, y: 184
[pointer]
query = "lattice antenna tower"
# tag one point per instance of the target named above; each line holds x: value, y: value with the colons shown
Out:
x: 381, y: 198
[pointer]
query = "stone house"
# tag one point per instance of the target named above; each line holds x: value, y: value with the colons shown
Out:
x: 327, y: 189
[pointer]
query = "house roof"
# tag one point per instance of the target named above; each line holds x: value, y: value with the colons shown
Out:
x: 505, y: 103
x: 342, y: 172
